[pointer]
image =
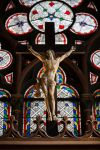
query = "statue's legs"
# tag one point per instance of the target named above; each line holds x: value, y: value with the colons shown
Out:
x: 45, y: 91
x: 51, y: 98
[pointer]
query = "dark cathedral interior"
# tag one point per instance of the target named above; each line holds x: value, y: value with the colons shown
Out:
x: 56, y: 25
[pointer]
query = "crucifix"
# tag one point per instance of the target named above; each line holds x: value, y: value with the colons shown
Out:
x: 47, y: 83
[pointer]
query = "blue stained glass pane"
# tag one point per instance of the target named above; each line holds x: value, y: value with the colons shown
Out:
x: 66, y: 105
x: 74, y: 104
x: 3, y: 116
x: 28, y: 111
x: 5, y: 112
x: 28, y: 127
x: 67, y: 109
x: 74, y: 111
x: 99, y: 126
x: 4, y: 127
x: 75, y: 126
x: 28, y: 119
x: 98, y: 112
x: 98, y: 119
x: 5, y: 104
x: 74, y: 119
x: 28, y: 133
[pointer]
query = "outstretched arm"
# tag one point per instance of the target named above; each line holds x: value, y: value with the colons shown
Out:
x: 67, y: 53
x: 36, y: 54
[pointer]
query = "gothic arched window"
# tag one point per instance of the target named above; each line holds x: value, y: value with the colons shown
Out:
x: 57, y: 25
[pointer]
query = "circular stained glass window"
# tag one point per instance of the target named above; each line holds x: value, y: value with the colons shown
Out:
x: 17, y: 24
x: 5, y: 59
x: 4, y: 93
x: 51, y: 11
x: 73, y: 3
x: 85, y: 24
x: 59, y: 39
x: 95, y: 59
x: 28, y: 3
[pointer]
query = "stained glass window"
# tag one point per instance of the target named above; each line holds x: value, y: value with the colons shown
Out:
x: 73, y: 3
x: 59, y: 39
x: 17, y: 24
x: 84, y: 24
x: 72, y: 111
x: 64, y: 108
x: 28, y: 3
x: 51, y: 11
x: 93, y: 78
x: 5, y: 111
x: 9, y: 78
x: 31, y: 111
x: 5, y: 59
x: 66, y: 91
x: 10, y: 6
x: 92, y: 5
x: 96, y: 109
x: 97, y: 93
x: 72, y: 22
x: 4, y: 93
x: 97, y: 114
x: 95, y: 59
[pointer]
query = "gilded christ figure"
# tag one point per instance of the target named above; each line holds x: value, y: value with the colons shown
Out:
x: 47, y: 82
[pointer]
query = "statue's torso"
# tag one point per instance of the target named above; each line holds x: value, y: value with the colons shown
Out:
x: 51, y: 67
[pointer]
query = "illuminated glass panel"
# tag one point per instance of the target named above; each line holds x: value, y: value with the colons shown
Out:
x: 23, y: 42
x: 59, y: 39
x: 9, y: 78
x: 40, y: 39
x: 28, y: 3
x: 97, y: 93
x: 5, y: 59
x: 93, y: 78
x: 78, y: 42
x: 84, y: 24
x: 31, y: 92
x: 92, y: 5
x: 64, y: 108
x: 10, y: 6
x: 72, y: 111
x: 17, y: 24
x: 4, y: 93
x: 96, y: 109
x: 51, y: 11
x: 31, y: 111
x: 5, y: 111
x: 95, y: 59
x: 97, y: 113
x: 73, y: 3
x: 66, y: 91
